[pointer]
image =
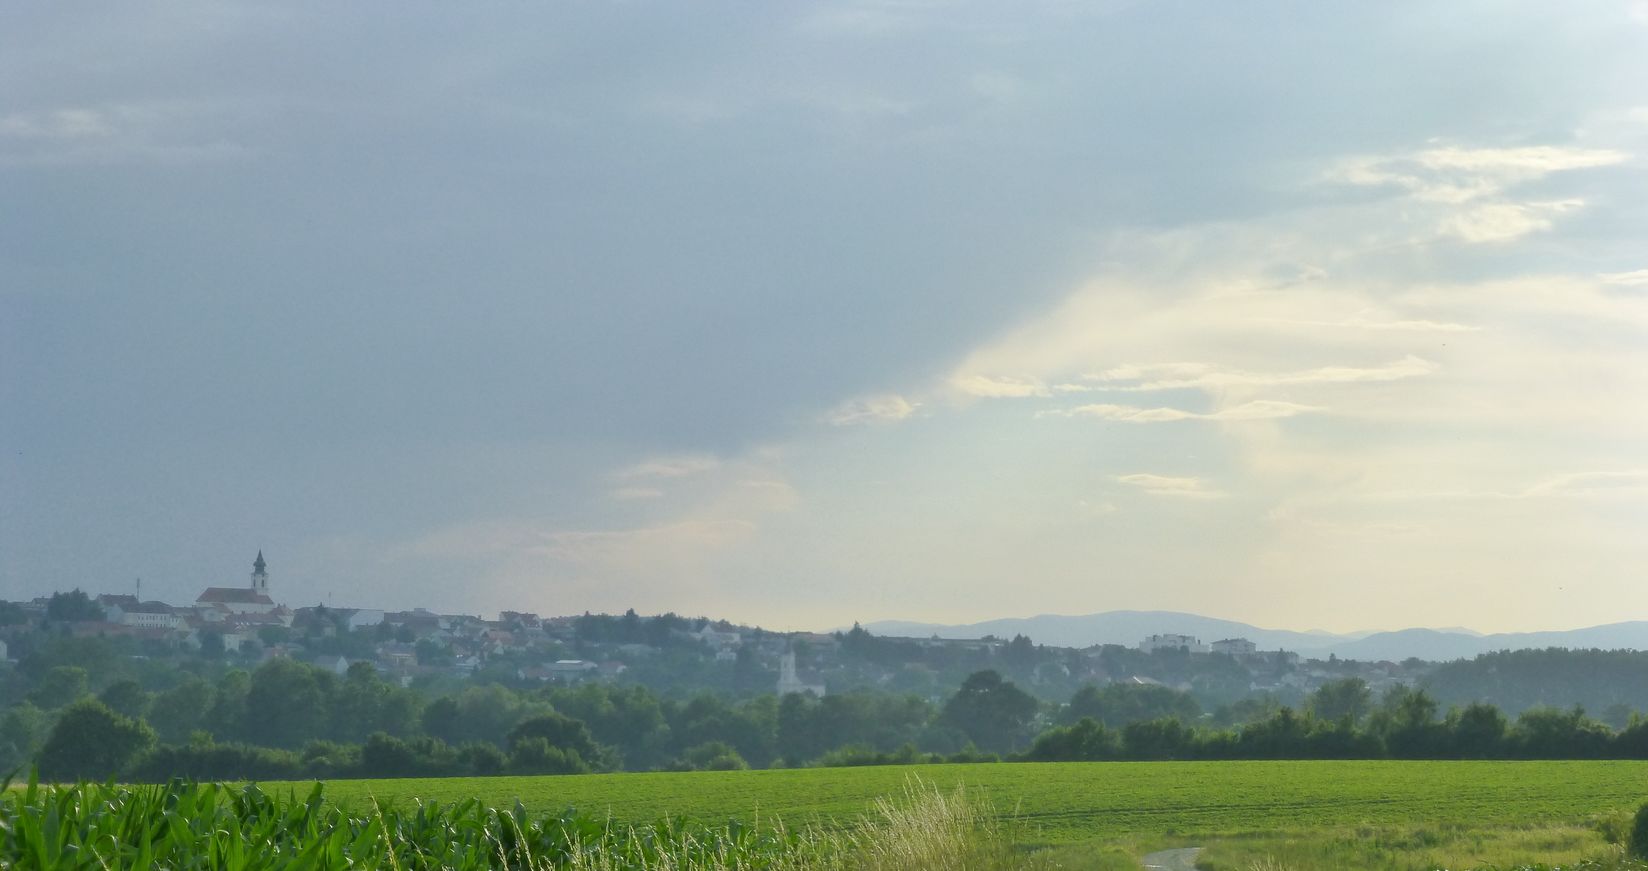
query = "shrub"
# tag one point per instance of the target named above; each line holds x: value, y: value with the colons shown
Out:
x: 1639, y: 833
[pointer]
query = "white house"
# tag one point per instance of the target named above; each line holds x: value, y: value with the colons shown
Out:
x: 149, y: 615
x: 114, y: 605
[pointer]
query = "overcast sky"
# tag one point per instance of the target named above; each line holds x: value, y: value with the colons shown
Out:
x: 1304, y: 314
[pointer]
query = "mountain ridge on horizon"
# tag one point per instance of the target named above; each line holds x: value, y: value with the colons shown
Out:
x: 1129, y: 627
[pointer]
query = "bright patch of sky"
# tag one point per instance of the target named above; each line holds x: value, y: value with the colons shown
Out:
x: 1301, y: 314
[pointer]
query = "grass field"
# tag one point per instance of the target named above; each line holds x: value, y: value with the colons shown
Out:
x: 1081, y: 801
x: 1391, y: 814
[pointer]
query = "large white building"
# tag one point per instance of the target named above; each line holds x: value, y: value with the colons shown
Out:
x: 1235, y: 647
x: 1185, y: 643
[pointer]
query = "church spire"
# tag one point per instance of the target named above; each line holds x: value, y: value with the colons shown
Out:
x: 260, y: 574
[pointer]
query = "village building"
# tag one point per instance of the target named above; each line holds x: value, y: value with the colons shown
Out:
x: 1235, y: 647
x: 151, y: 615
x: 1185, y: 643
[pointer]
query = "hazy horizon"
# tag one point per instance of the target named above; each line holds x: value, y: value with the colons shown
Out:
x: 1304, y: 316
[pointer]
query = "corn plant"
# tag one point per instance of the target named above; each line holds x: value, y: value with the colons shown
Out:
x: 217, y: 827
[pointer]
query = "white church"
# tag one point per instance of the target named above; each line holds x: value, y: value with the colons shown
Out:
x: 242, y: 600
x: 790, y: 682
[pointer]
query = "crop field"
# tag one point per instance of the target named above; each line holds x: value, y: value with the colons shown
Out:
x: 1065, y: 803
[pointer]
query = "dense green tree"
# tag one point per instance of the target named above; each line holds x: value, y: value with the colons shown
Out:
x: 751, y: 727
x: 72, y: 607
x: 179, y: 711
x: 1549, y: 733
x: 23, y: 728
x: 1021, y: 653
x: 126, y: 697
x: 227, y: 716
x: 1248, y: 710
x: 1166, y: 738
x: 364, y: 703
x: 482, y: 760
x: 1280, y: 736
x: 628, y: 718
x: 561, y: 731
x: 61, y: 685
x: 1341, y: 699
x: 994, y: 713
x: 1088, y: 740
x: 442, y: 719
x: 387, y: 756
x: 91, y: 741
x: 1406, y: 721
x: 1478, y: 731
x: 287, y: 703
x: 1119, y: 704
x: 538, y: 756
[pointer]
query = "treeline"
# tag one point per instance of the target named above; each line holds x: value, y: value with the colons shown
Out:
x: 1609, y: 682
x: 289, y: 720
x: 1406, y: 725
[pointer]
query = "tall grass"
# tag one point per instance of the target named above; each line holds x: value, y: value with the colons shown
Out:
x: 215, y: 827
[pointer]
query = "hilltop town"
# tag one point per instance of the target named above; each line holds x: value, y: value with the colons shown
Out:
x: 248, y: 625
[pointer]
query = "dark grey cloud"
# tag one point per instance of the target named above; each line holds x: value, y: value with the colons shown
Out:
x: 299, y: 270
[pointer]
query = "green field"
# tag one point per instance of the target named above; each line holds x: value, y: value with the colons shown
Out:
x: 1136, y: 802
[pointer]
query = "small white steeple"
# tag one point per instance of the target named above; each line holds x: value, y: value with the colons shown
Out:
x: 260, y: 575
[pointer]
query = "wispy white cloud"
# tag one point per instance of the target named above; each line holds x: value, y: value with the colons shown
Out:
x: 1631, y: 482
x: 1494, y: 222
x: 1459, y: 175
x: 1179, y: 376
x: 882, y: 408
x: 999, y: 387
x: 1363, y: 323
x: 670, y: 467
x: 1176, y: 487
x: 1471, y: 186
x: 162, y: 132
x: 1259, y: 409
x: 1636, y: 278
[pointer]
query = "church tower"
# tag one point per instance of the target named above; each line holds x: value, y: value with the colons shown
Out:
x: 260, y: 575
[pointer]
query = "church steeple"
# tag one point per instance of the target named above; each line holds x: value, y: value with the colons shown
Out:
x: 260, y: 574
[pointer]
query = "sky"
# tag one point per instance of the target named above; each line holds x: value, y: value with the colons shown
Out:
x: 1308, y: 315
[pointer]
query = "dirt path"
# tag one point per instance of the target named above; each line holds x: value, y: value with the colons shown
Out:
x: 1182, y: 859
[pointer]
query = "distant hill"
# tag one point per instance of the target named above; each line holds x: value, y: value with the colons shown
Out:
x: 1130, y: 627
x: 1113, y: 627
x: 1437, y: 645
